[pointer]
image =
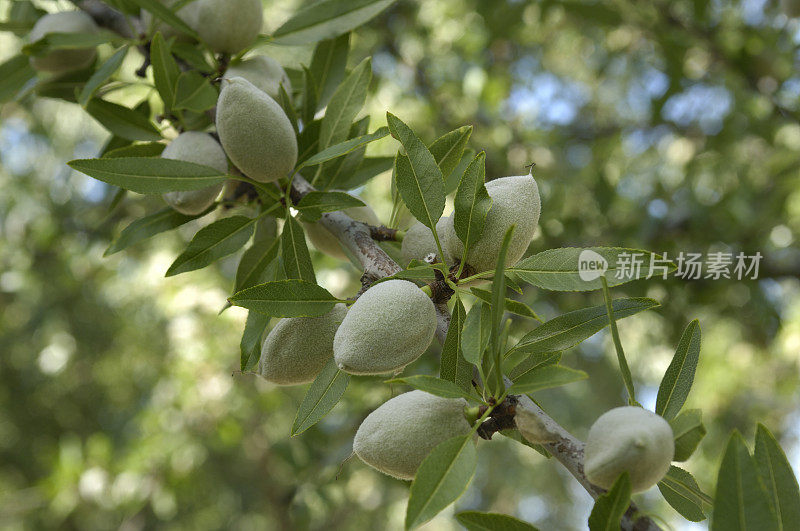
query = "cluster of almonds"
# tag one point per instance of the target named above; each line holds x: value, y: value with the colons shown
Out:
x: 393, y: 322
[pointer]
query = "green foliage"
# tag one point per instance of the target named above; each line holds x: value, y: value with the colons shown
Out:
x: 610, y: 506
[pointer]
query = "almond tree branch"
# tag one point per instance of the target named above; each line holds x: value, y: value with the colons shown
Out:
x: 533, y: 423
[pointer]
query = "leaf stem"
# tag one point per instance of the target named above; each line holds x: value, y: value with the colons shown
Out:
x: 623, y: 363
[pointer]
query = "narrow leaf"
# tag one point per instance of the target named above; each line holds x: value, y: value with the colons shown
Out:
x: 580, y: 269
x: 165, y: 70
x: 165, y: 14
x: 322, y: 395
x: 545, y: 378
x: 453, y: 366
x: 149, y: 175
x: 472, y: 203
x: 740, y: 502
x: 146, y: 149
x: 688, y: 430
x: 14, y: 74
x: 609, y: 507
x: 250, y: 345
x: 101, y: 75
x: 369, y: 168
x: 286, y: 298
x: 515, y: 307
x: 328, y: 66
x: 679, y: 377
x: 343, y: 148
x: 498, y: 310
x: 148, y: 226
x: 296, y: 258
x: 328, y: 19
x: 122, y: 121
x: 254, y: 262
x: 681, y: 491
x: 475, y: 335
x: 569, y: 329
x: 441, y: 479
x: 779, y: 479
x: 477, y: 521
x: 433, y: 385
x: 346, y: 102
x: 194, y: 93
x: 448, y: 149
x: 419, y: 179
x: 212, y: 242
x: 315, y: 203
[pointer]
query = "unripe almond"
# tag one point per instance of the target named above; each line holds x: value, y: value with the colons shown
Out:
x: 418, y: 242
x: 387, y: 328
x: 297, y: 349
x: 327, y: 243
x: 255, y: 132
x: 264, y: 72
x: 227, y: 26
x: 63, y: 60
x: 515, y: 201
x: 629, y: 439
x: 396, y: 437
x: 199, y: 148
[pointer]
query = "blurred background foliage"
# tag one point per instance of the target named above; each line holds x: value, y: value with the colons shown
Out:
x: 670, y: 126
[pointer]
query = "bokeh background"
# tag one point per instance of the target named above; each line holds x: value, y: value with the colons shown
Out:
x: 670, y: 126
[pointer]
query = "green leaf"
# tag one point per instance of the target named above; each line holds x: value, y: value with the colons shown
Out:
x: 778, y: 477
x: 147, y: 149
x: 165, y: 70
x: 448, y: 149
x: 324, y: 393
x: 433, y: 385
x: 533, y: 362
x: 286, y: 298
x: 453, y: 366
x: 497, y: 312
x: 69, y: 41
x: 288, y: 107
x: 328, y: 19
x: 165, y: 14
x: 101, y: 75
x: 314, y: 203
x: 544, y: 378
x: 192, y: 55
x: 122, y: 121
x: 296, y: 259
x: 515, y: 307
x: 331, y: 173
x: 557, y: 269
x: 679, y: 376
x: 451, y: 181
x: 212, y: 242
x: 441, y: 479
x: 328, y: 66
x: 740, y: 502
x: 148, y: 226
x: 149, y: 175
x: 309, y: 96
x: 475, y: 335
x: 472, y: 203
x: 681, y: 491
x: 343, y: 148
x: 193, y: 92
x: 419, y: 179
x: 346, y: 102
x: 254, y: 262
x: 688, y: 430
x: 478, y: 521
x: 611, y: 506
x: 369, y: 168
x: 14, y: 74
x: 569, y: 329
x: 250, y: 345
x: 64, y: 86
